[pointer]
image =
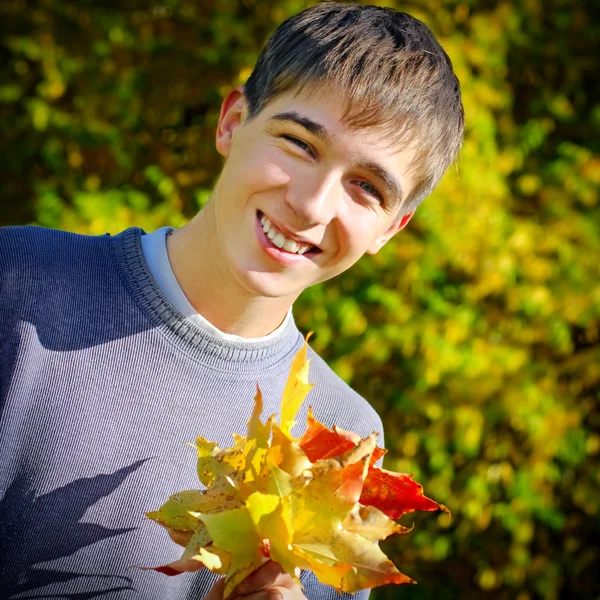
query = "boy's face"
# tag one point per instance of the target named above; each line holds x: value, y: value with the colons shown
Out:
x: 333, y: 191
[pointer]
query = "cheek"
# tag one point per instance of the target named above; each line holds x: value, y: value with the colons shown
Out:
x: 271, y: 175
x: 260, y: 169
x: 359, y: 225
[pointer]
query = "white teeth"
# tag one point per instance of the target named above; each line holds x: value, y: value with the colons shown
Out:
x: 280, y: 240
x: 290, y: 246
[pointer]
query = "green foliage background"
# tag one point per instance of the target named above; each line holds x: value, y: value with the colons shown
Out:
x: 474, y: 334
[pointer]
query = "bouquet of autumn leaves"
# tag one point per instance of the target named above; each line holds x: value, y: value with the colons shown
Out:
x: 317, y: 502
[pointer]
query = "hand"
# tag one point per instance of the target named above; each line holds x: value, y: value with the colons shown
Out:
x: 269, y: 582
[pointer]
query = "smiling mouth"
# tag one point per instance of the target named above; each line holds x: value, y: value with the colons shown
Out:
x: 280, y: 241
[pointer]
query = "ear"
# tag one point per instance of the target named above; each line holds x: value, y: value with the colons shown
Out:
x: 233, y: 114
x: 386, y: 236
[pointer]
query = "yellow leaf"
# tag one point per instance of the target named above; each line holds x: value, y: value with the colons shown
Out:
x: 235, y: 532
x: 328, y: 569
x: 175, y: 512
x: 285, y: 452
x: 256, y: 429
x: 329, y: 495
x: 212, y: 558
x: 272, y: 518
x: 258, y: 442
x: 295, y: 390
x: 206, y: 448
x: 280, y: 482
x: 218, y: 497
x: 191, y: 560
x: 220, y: 463
x: 370, y: 523
x: 365, y: 564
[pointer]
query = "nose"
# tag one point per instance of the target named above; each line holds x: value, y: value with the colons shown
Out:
x: 315, y: 199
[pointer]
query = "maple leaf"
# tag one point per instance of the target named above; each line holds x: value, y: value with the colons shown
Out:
x: 372, y: 524
x: 296, y: 388
x: 395, y: 494
x: 316, y: 502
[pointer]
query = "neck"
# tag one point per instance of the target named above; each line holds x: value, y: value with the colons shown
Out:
x: 210, y: 286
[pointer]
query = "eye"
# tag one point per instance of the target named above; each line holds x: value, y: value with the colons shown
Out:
x: 303, y: 145
x: 367, y: 187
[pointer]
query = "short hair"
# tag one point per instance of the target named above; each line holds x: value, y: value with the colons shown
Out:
x: 396, y: 77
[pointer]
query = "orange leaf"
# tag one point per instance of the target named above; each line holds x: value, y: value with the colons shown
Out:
x: 395, y: 494
x: 319, y: 441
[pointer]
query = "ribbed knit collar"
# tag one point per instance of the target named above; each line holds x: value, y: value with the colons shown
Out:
x: 198, y: 342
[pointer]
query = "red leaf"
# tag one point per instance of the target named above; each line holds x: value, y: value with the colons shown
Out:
x: 319, y: 441
x: 166, y: 570
x: 377, y: 454
x: 395, y: 494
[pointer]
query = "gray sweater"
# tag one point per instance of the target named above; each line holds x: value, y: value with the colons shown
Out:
x: 102, y: 380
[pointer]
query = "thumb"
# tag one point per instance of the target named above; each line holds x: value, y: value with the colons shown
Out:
x: 216, y: 591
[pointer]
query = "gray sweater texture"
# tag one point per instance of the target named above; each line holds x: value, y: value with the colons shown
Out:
x: 102, y: 381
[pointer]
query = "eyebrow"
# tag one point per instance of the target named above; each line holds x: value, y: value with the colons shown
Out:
x: 311, y: 126
x: 393, y: 187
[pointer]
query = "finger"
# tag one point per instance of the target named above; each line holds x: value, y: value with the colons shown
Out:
x: 216, y: 591
x: 269, y: 575
x: 276, y: 594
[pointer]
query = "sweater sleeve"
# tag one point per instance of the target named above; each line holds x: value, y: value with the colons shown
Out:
x: 314, y: 590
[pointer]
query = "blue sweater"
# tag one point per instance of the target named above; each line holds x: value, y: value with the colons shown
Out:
x: 102, y: 380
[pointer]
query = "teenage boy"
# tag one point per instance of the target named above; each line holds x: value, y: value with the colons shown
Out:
x: 114, y: 350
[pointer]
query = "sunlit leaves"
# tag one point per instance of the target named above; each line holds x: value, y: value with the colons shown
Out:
x: 317, y: 502
x: 296, y: 388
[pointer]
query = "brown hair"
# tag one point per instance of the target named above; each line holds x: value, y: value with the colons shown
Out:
x: 396, y: 77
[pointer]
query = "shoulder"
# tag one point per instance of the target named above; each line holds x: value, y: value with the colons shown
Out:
x: 45, y: 253
x: 334, y: 402
x: 36, y: 262
x: 29, y: 242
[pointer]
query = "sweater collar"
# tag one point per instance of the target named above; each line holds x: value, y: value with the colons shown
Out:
x: 154, y: 247
x: 192, y: 337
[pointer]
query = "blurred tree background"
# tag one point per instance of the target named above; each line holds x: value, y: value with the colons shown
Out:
x: 474, y: 334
